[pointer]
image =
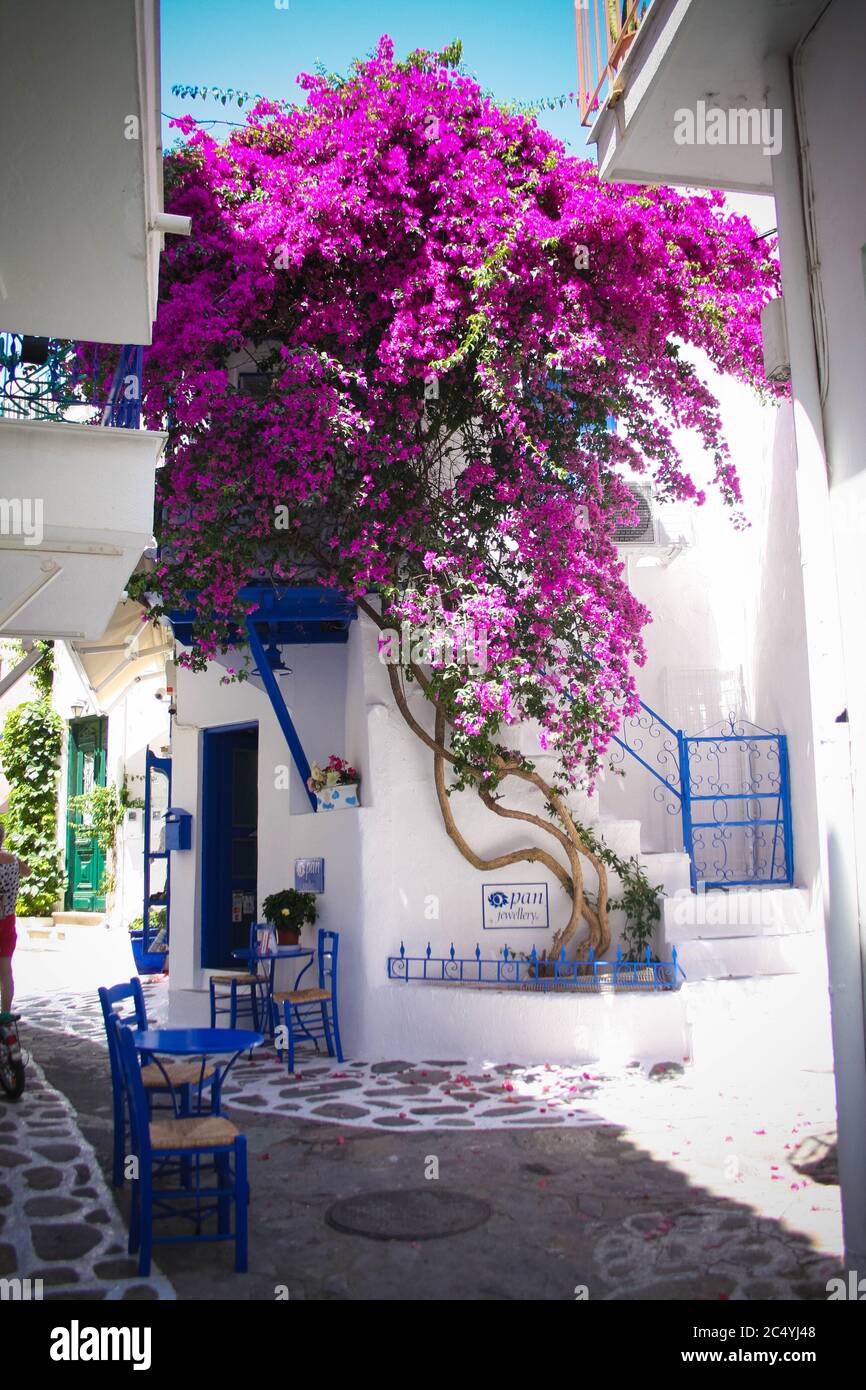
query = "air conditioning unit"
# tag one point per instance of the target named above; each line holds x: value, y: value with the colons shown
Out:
x: 641, y: 531
x: 658, y: 533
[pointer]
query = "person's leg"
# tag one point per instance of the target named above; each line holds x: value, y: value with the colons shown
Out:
x: 7, y: 985
x: 7, y: 948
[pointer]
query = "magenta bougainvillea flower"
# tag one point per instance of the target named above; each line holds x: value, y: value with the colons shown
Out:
x: 444, y: 311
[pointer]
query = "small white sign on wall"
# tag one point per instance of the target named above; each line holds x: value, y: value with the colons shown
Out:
x: 514, y: 906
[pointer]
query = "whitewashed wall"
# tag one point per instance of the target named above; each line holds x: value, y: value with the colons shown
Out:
x: 835, y: 113
x: 391, y: 873
x: 728, y: 612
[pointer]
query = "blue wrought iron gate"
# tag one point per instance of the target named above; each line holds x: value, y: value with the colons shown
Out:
x: 731, y: 788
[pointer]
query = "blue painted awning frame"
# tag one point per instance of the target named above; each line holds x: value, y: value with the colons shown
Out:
x: 280, y: 708
x: 297, y: 616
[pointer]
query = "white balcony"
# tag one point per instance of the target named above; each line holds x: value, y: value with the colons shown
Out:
x: 76, y: 514
x: 80, y: 168
x: 686, y: 52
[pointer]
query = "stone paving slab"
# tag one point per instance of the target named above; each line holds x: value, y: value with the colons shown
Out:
x: 58, y: 1222
x: 607, y: 1207
x: 681, y: 1190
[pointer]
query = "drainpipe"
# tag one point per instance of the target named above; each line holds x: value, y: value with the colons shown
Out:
x: 826, y: 677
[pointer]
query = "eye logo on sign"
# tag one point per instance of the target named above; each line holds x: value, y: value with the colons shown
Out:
x: 515, y: 906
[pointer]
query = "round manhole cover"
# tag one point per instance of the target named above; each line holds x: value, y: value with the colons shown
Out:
x: 421, y: 1213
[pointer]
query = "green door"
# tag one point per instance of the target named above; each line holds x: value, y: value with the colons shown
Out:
x: 85, y: 862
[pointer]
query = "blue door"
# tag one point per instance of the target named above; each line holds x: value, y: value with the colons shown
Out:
x: 230, y: 816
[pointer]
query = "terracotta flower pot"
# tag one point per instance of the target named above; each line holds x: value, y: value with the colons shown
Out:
x: 287, y: 936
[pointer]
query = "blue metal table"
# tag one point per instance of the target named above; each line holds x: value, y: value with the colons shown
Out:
x: 196, y: 1042
x: 271, y: 957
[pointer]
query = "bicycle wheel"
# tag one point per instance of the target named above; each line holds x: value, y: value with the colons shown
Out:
x: 11, y: 1075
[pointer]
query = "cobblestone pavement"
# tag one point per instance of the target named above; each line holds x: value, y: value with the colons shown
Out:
x: 684, y: 1186
x: 58, y: 1222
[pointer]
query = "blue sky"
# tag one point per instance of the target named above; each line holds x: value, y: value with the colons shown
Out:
x: 519, y: 49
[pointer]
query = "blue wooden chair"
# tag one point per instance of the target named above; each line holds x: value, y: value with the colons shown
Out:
x: 203, y: 1148
x: 248, y: 991
x: 173, y: 1078
x: 312, y: 1013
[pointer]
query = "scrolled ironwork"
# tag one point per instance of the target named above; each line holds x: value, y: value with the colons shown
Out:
x: 48, y: 379
x: 730, y: 784
x: 537, y: 973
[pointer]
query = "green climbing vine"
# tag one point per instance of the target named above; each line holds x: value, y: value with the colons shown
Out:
x: 30, y: 742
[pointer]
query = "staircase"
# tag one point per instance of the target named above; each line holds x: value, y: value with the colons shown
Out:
x: 730, y: 907
x: 741, y: 933
x: 59, y: 930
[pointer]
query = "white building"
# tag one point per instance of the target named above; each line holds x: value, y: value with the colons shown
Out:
x: 111, y: 696
x: 81, y: 229
x: 768, y: 98
x: 392, y: 875
x: 731, y: 610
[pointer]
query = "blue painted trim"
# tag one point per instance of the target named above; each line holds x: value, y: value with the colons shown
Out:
x: 280, y: 708
x: 785, y: 807
x: 298, y: 616
x: 231, y: 728
x: 202, y: 874
x: 120, y: 411
x: 686, y: 807
x: 151, y: 761
x: 212, y: 870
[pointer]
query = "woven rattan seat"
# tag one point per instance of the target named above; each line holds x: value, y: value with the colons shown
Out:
x: 175, y: 1074
x: 237, y: 979
x: 194, y: 1132
x: 303, y: 996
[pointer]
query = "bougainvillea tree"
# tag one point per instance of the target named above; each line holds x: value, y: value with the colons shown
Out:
x: 445, y: 310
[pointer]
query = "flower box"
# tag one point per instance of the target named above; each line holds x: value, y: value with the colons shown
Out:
x: 335, y: 798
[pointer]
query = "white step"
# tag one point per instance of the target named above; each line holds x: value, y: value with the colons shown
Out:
x: 670, y: 870
x: 622, y: 836
x: 745, y: 957
x: 741, y: 912
x: 39, y: 934
x: 79, y: 919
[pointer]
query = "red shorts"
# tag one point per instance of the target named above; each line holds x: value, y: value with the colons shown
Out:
x: 8, y: 936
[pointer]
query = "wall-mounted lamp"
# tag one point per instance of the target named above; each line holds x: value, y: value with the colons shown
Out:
x: 78, y: 709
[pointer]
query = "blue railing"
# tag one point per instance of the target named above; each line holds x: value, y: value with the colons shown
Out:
x: 46, y: 379
x: 732, y: 791
x: 534, y: 972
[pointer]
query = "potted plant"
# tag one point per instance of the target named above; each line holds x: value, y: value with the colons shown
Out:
x: 150, y: 958
x: 335, y: 785
x: 289, y: 911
